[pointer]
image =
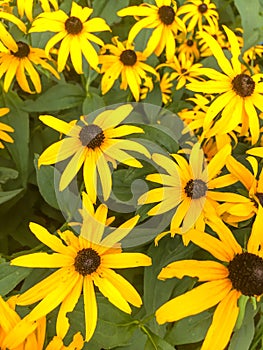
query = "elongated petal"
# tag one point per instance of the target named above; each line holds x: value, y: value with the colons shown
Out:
x: 54, y: 260
x: 128, y: 292
x: 193, y: 302
x: 68, y: 305
x: 255, y: 240
x: 125, y: 260
x: 203, y: 270
x: 223, y: 323
x: 48, y: 239
x: 56, y: 124
x: 90, y: 307
x: 111, y: 293
x: 218, y: 161
x: 111, y: 118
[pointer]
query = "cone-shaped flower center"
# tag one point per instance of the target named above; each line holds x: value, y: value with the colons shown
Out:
x: 73, y: 25
x: 23, y: 50
x: 195, y: 189
x: 128, y: 57
x: 202, y: 8
x: 246, y: 273
x: 166, y: 14
x: 243, y: 85
x: 189, y: 42
x: 87, y: 261
x: 91, y: 136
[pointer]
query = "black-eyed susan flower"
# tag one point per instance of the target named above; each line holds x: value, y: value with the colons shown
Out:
x: 166, y: 85
x: 239, y: 274
x: 4, y: 129
x: 252, y: 56
x: 198, y: 12
x: 123, y: 61
x: 20, y: 64
x: 33, y: 332
x: 188, y: 188
x: 239, y: 94
x: 93, y: 145
x: 187, y: 46
x: 164, y: 21
x: 25, y: 7
x: 83, y: 261
x: 184, y: 70
x: 75, y: 33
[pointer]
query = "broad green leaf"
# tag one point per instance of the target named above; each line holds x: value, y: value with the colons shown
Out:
x: 92, y: 103
x: 154, y: 342
x: 7, y: 174
x: 251, y: 21
x: 58, y: 97
x: 10, y: 276
x: 108, y: 9
x: 19, y: 120
x: 8, y: 195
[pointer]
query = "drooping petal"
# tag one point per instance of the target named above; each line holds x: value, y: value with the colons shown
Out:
x: 194, y: 301
x: 90, y: 307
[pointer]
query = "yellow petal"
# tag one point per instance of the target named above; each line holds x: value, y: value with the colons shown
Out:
x: 111, y: 118
x: 90, y: 307
x: 43, y: 260
x: 223, y: 323
x: 218, y: 161
x: 125, y: 260
x: 194, y: 301
x: 203, y: 270
x: 56, y: 124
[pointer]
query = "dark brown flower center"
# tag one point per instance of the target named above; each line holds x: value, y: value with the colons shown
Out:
x: 189, y: 42
x: 202, y: 8
x: 128, y: 57
x: 246, y: 273
x: 73, y: 25
x: 195, y: 189
x: 91, y: 136
x: 183, y: 70
x: 243, y: 85
x: 166, y: 14
x: 23, y: 50
x: 87, y: 261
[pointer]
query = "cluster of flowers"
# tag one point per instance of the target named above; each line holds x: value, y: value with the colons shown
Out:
x: 226, y: 107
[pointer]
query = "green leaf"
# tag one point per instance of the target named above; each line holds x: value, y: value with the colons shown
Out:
x: 154, y: 342
x: 114, y: 327
x: 190, y: 329
x: 251, y: 21
x: 67, y: 202
x: 92, y: 103
x: 58, y: 97
x: 10, y: 276
x: 7, y: 174
x: 8, y: 195
x: 107, y: 9
x: 19, y: 120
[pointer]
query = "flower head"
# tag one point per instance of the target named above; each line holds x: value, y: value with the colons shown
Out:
x: 198, y: 11
x: 240, y: 273
x: 83, y: 261
x: 125, y: 61
x: 21, y: 61
x: 93, y: 145
x: 237, y: 91
x: 74, y: 32
x: 164, y: 21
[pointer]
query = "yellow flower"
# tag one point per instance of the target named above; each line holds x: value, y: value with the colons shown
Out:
x: 125, y: 61
x: 23, y: 60
x: 83, y: 261
x: 251, y: 57
x: 166, y: 85
x: 189, y: 188
x: 74, y: 32
x: 4, y: 129
x: 25, y: 7
x: 184, y: 70
x: 196, y: 11
x: 239, y: 274
x: 93, y: 145
x: 9, y: 320
x: 162, y: 19
x: 237, y: 91
x: 188, y: 47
